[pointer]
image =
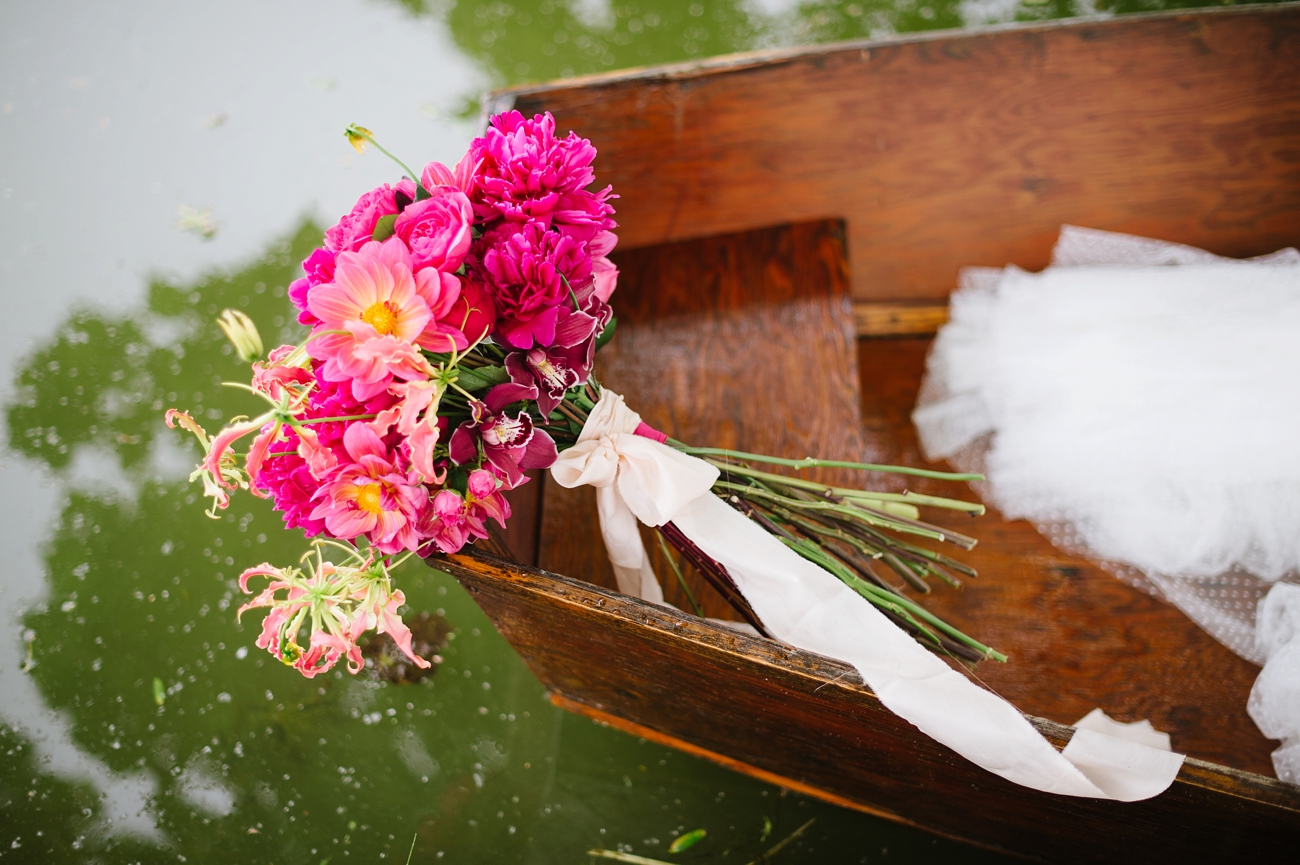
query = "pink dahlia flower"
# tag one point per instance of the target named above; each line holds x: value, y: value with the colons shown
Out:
x: 529, y: 273
x: 437, y: 230
x: 377, y: 315
x: 527, y: 174
x: 370, y: 496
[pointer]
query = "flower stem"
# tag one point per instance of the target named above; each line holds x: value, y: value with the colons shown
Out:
x: 677, y: 572
x: 845, y: 492
x: 364, y: 133
x: 814, y: 462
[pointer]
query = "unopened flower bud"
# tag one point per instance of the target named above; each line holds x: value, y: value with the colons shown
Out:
x: 242, y: 333
x: 358, y: 137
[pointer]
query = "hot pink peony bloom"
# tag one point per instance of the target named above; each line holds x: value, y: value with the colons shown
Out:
x: 526, y: 272
x: 386, y: 314
x: 355, y: 230
x: 370, y: 496
x: 527, y: 174
x: 437, y: 230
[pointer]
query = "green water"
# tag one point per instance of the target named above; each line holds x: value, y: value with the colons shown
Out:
x: 137, y: 722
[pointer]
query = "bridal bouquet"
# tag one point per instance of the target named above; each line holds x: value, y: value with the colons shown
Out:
x: 454, y: 320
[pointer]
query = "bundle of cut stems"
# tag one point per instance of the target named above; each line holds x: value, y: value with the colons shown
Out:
x: 854, y: 534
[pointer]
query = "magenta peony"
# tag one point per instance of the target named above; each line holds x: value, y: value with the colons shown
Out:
x: 526, y: 272
x: 527, y: 174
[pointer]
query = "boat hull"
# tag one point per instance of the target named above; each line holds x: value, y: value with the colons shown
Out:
x: 807, y: 722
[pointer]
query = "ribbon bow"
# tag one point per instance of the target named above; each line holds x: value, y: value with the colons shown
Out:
x: 641, y: 478
x: 636, y: 478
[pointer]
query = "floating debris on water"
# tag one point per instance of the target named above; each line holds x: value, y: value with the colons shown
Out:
x: 197, y: 221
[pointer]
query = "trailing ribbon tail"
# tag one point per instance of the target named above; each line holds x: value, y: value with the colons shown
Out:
x: 640, y: 478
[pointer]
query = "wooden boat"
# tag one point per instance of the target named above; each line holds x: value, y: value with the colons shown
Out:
x: 791, y: 223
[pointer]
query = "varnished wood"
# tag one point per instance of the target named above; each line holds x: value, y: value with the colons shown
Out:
x: 741, y: 341
x: 872, y: 319
x: 798, y: 718
x: 954, y: 149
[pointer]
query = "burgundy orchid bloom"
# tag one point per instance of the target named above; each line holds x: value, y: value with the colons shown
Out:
x: 566, y: 363
x: 510, y: 444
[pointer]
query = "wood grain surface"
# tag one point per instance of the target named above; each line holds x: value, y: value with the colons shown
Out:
x: 793, y: 717
x: 716, y: 342
x: 956, y: 149
x: 740, y: 341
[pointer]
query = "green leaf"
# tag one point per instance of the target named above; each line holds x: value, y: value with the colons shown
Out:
x: 481, y: 378
x: 421, y: 193
x: 384, y: 227
x: 687, y: 841
x: 607, y: 334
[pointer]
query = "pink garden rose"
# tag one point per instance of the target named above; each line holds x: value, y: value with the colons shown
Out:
x: 355, y: 230
x: 437, y: 230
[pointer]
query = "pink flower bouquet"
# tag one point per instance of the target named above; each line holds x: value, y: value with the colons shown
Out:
x: 454, y: 324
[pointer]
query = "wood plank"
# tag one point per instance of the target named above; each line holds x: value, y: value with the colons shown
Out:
x: 875, y: 319
x: 741, y: 341
x: 808, y: 719
x: 715, y: 341
x: 954, y: 149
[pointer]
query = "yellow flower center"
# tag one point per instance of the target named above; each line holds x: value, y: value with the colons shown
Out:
x: 382, y: 316
x: 368, y: 499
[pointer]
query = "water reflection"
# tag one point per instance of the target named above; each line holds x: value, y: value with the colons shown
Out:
x: 538, y: 40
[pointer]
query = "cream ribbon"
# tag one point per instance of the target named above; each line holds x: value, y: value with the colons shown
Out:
x: 798, y: 602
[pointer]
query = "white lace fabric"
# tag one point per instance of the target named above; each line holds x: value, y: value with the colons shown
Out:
x: 1138, y: 401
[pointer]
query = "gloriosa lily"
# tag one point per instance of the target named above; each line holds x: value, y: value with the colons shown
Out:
x: 284, y: 384
x: 337, y: 603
